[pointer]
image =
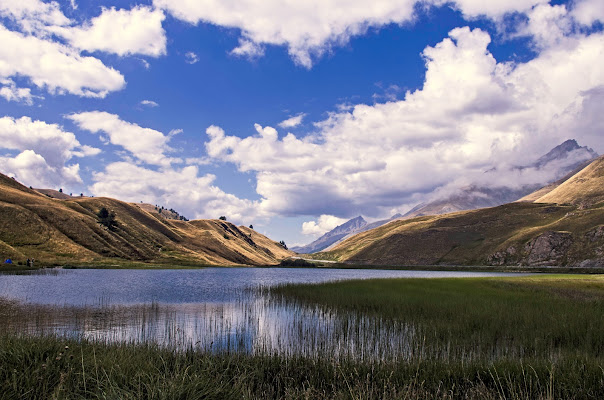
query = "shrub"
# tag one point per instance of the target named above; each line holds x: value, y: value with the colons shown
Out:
x: 107, y: 218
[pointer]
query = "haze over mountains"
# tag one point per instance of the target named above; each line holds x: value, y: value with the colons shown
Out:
x: 564, y: 227
x: 562, y: 161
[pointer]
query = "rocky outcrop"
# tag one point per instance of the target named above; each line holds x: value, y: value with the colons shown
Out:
x: 548, y: 248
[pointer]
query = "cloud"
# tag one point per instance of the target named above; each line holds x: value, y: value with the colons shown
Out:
x: 191, y: 58
x: 183, y: 189
x: 145, y: 63
x: 248, y: 49
x: 547, y: 25
x: 311, y: 28
x: 146, y: 144
x: 324, y: 224
x: 491, y: 9
x: 588, y: 11
x: 55, y: 67
x: 472, y: 114
x: 32, y: 169
x: 149, y: 103
x: 45, y: 150
x: 122, y: 32
x: 293, y: 121
x: 11, y: 92
x: 33, y: 15
x: 35, y: 51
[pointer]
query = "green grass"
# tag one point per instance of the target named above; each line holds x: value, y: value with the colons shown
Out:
x: 36, y: 368
x: 480, y: 318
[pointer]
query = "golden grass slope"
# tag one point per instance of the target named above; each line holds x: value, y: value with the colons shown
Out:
x: 584, y: 189
x: 56, y: 231
x: 569, y: 232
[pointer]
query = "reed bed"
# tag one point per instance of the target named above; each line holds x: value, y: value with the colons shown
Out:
x: 518, y: 338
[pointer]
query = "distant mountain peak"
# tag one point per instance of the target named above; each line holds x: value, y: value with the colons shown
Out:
x: 562, y: 151
x: 348, y: 227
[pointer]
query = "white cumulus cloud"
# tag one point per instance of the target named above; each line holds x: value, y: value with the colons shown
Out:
x: 11, y: 92
x: 146, y: 144
x: 588, y: 11
x: 183, y: 189
x: 472, y: 114
x: 45, y: 150
x: 55, y: 67
x: 310, y: 28
x: 123, y: 32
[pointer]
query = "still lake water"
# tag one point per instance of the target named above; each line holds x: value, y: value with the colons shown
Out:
x: 213, y: 309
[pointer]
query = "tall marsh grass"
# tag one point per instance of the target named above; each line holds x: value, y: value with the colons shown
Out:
x: 517, y: 338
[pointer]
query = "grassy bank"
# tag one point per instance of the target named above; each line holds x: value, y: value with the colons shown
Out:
x: 35, y: 368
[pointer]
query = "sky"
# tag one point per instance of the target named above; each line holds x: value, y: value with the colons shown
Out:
x: 294, y: 116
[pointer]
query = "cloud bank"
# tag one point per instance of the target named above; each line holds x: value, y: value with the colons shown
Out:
x: 311, y: 28
x: 472, y: 114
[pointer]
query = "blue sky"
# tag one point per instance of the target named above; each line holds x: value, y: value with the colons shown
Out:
x: 293, y: 117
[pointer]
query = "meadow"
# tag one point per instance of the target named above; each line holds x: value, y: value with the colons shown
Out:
x: 537, y: 337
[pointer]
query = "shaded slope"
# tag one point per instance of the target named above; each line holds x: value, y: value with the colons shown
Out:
x: 68, y: 231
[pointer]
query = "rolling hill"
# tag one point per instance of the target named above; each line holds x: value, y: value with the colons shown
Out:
x: 565, y: 228
x: 69, y: 231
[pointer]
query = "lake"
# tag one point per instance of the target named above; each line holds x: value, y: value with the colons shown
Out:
x: 214, y: 309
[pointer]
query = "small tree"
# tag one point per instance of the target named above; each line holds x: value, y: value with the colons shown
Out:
x: 282, y: 243
x: 107, y: 218
x: 222, y: 218
x: 251, y: 226
x: 61, y: 190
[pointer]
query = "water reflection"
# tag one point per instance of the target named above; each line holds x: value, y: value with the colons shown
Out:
x: 227, y: 318
x: 254, y: 325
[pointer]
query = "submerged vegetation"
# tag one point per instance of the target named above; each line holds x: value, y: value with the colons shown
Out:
x: 528, y: 337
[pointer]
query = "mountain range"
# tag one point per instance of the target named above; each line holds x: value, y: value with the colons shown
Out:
x: 563, y: 227
x: 561, y: 162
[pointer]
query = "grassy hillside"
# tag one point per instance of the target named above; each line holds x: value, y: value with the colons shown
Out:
x: 584, y: 189
x: 567, y: 232
x: 536, y: 195
x: 68, y: 231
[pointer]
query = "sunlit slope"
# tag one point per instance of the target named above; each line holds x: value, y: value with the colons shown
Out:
x: 512, y: 234
x: 68, y: 231
x: 583, y: 189
x: 564, y: 227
